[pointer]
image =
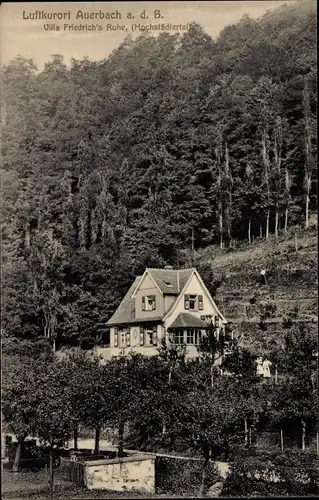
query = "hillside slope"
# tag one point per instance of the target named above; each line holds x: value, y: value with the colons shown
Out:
x: 262, y: 311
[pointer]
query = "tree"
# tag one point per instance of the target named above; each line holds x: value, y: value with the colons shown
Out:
x: 210, y: 415
x: 54, y: 413
x: 173, y: 356
x: 308, y: 147
x: 296, y: 398
x: 125, y: 392
x: 20, y: 396
x: 90, y: 391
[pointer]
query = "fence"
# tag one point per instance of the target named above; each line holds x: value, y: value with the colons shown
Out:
x: 72, y: 471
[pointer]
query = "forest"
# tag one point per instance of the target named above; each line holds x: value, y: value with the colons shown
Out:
x: 170, y: 143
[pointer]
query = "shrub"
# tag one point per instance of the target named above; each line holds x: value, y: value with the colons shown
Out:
x: 182, y: 476
x: 270, y: 474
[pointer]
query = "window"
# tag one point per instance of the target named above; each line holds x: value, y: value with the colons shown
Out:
x: 194, y: 302
x: 168, y: 284
x: 186, y: 302
x: 151, y: 336
x: 116, y: 337
x: 178, y: 337
x: 149, y: 303
x: 193, y: 336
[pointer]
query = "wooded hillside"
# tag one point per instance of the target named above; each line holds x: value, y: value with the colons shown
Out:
x: 109, y: 167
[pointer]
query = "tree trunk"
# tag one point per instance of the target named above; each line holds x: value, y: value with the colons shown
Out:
x: 120, y: 444
x: 246, y: 432
x: 276, y: 222
x: 260, y: 230
x: 202, y: 484
x: 221, y: 230
x: 17, y: 457
x: 171, y: 443
x: 212, y: 374
x: 51, y: 476
x: 75, y: 438
x: 307, y: 211
x: 97, y: 441
x: 249, y: 231
x: 303, y: 435
x: 286, y: 219
x: 169, y: 383
x: 267, y: 224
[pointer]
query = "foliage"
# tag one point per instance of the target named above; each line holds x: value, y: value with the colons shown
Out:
x: 202, y: 145
x: 54, y: 411
x: 272, y: 475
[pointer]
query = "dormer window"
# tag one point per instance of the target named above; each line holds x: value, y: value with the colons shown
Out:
x: 148, y: 303
x: 193, y: 302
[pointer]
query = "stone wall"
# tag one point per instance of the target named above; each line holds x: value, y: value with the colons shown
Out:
x: 126, y: 474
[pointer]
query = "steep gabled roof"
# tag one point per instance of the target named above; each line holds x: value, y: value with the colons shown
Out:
x: 188, y: 320
x: 170, y: 281
x: 125, y: 313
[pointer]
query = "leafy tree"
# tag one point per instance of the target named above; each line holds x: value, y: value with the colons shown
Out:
x: 20, y: 396
x: 54, y: 412
x: 296, y: 399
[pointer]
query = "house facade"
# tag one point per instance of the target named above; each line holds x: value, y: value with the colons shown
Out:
x: 163, y: 303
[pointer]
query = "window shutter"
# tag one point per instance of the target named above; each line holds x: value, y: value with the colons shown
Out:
x: 155, y: 335
x: 200, y: 302
x: 141, y: 335
x: 154, y: 299
x: 216, y: 321
x: 186, y: 303
x: 128, y: 339
x: 143, y: 303
x: 116, y: 337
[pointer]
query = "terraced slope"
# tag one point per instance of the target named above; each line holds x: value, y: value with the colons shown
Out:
x: 261, y: 311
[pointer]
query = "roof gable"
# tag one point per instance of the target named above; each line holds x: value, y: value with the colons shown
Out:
x: 145, y: 274
x: 183, y: 291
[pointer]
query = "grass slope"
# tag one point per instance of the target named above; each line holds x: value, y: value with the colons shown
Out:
x: 263, y: 312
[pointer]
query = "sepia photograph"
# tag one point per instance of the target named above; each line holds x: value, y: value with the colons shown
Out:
x: 159, y: 250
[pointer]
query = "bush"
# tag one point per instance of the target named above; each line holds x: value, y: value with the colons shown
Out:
x: 269, y: 474
x: 182, y: 476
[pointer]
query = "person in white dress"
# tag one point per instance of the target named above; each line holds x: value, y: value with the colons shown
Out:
x: 260, y: 369
x: 266, y: 368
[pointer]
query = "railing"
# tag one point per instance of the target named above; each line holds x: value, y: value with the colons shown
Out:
x: 72, y: 471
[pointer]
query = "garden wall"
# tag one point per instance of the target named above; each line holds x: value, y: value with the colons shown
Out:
x: 125, y: 474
